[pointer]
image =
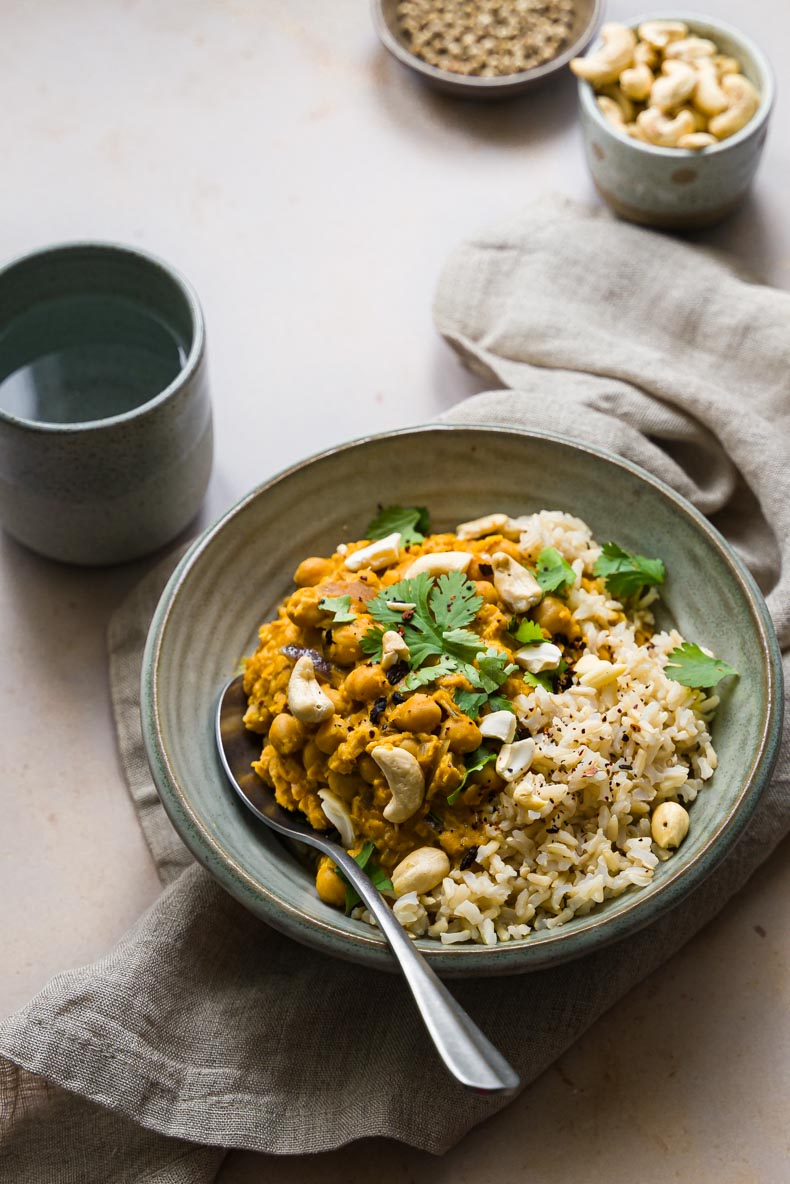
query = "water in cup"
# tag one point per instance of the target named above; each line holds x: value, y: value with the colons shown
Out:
x: 86, y: 357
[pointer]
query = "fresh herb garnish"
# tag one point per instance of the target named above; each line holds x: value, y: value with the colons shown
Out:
x: 692, y: 667
x: 527, y: 631
x: 436, y: 626
x: 626, y: 574
x: 378, y: 877
x: 411, y: 522
x: 340, y: 606
x: 547, y: 678
x: 476, y: 760
x: 494, y: 667
x: 554, y: 573
x: 436, y: 634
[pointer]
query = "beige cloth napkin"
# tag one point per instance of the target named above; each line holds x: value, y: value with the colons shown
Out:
x: 204, y: 1029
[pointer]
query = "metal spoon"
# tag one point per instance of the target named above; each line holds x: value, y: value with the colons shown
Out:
x: 467, y: 1053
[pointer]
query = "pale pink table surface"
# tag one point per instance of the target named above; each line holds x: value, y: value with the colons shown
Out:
x: 311, y: 190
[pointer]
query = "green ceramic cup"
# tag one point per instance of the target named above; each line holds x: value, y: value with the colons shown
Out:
x: 105, y: 421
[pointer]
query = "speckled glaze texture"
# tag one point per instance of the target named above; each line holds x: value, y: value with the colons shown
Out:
x: 236, y: 573
x: 667, y: 187
x: 112, y: 489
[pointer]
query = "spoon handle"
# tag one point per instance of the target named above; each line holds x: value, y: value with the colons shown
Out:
x: 468, y: 1054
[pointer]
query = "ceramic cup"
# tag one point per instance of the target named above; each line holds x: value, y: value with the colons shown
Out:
x: 668, y: 187
x: 105, y: 421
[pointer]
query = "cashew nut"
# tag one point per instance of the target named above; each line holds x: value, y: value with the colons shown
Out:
x: 660, y: 33
x: 439, y: 563
x: 405, y: 780
x: 516, y: 586
x: 697, y: 140
x: 393, y: 650
x: 744, y: 101
x: 674, y: 86
x: 635, y: 132
x: 669, y: 824
x: 607, y: 63
x: 700, y: 120
x: 478, y: 528
x: 611, y: 111
x: 499, y: 725
x: 646, y: 54
x: 662, y: 130
x: 515, y: 759
x: 336, y: 812
x: 543, y: 656
x: 622, y: 100
x: 690, y: 49
x: 725, y: 65
x: 636, y: 82
x: 376, y: 555
x: 596, y: 672
x: 307, y: 701
x: 708, y: 95
x: 420, y: 871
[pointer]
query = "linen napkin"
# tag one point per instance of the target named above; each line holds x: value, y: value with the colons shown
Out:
x: 204, y: 1029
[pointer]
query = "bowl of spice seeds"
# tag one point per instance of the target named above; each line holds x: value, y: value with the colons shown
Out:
x: 486, y: 49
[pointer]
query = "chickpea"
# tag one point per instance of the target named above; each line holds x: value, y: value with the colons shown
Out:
x: 328, y: 884
x: 286, y: 734
x: 461, y: 734
x: 313, y: 760
x: 366, y: 683
x: 486, y: 778
x: 418, y: 714
x: 346, y: 785
x: 331, y: 734
x: 555, y: 617
x: 302, y: 608
x: 311, y: 571
x: 487, y: 590
x: 368, y: 769
x: 344, y: 649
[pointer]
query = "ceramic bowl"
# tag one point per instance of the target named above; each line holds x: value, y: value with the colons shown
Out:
x: 673, y: 188
x: 236, y: 573
x: 587, y: 17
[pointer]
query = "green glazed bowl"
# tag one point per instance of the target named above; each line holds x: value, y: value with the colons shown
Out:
x: 235, y: 574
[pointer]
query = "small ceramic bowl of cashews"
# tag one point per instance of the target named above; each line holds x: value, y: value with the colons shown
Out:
x: 674, y: 109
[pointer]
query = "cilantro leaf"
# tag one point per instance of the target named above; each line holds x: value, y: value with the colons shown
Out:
x: 500, y: 703
x: 376, y: 874
x: 411, y: 522
x: 340, y: 606
x: 554, y: 573
x: 470, y: 702
x: 371, y: 644
x: 495, y: 667
x: 454, y: 600
x: 538, y: 680
x: 476, y: 760
x: 692, y: 667
x: 528, y: 632
x: 625, y: 574
x: 429, y: 674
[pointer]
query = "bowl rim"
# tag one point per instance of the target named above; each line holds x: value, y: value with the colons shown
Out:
x: 758, y: 120
x: 549, y: 947
x: 474, y: 82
